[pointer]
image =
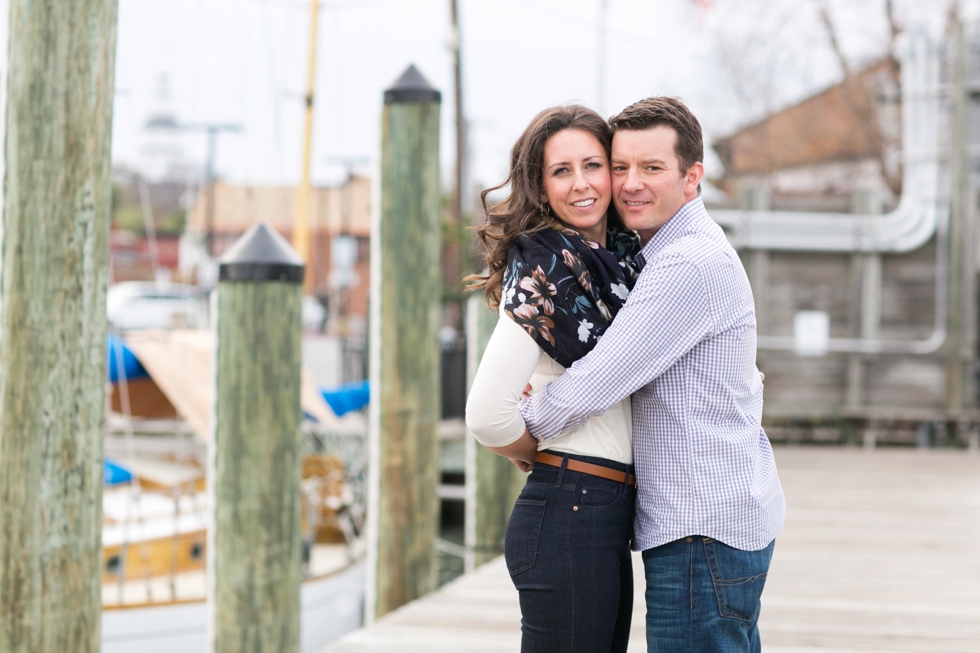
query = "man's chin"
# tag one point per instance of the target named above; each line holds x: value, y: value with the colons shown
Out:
x: 638, y: 222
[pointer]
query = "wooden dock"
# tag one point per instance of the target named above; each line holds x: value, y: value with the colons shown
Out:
x: 881, y: 552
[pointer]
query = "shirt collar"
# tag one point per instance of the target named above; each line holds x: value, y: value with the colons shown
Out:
x: 687, y: 216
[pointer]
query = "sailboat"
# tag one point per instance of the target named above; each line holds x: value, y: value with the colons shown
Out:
x: 155, y: 503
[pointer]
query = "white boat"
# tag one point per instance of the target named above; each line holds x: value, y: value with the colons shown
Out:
x: 156, y: 514
x: 330, y: 606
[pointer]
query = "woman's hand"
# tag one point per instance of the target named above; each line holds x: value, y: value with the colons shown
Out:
x: 522, y: 465
x: 520, y: 452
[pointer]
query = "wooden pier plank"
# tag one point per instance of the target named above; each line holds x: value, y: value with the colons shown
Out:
x: 879, y: 554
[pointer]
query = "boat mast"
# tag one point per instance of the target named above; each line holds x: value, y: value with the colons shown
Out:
x: 301, y: 221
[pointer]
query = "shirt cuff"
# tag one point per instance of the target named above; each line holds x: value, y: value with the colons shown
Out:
x: 543, y: 418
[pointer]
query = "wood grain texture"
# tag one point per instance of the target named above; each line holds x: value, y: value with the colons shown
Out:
x: 497, y: 481
x: 257, y: 547
x: 879, y: 554
x: 408, y: 387
x: 56, y: 211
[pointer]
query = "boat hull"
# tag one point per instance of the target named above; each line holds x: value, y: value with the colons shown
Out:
x: 329, y: 608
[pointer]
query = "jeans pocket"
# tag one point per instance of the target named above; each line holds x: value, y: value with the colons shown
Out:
x: 595, y: 495
x: 738, y: 578
x: 523, y: 531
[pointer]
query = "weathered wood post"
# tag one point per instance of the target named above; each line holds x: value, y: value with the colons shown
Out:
x: 492, y: 481
x: 255, y: 550
x: 405, y: 317
x: 57, y: 121
x: 959, y: 359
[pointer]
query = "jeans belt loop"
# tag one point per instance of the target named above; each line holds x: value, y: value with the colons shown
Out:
x: 561, y: 470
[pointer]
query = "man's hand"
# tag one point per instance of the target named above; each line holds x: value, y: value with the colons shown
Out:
x: 762, y: 377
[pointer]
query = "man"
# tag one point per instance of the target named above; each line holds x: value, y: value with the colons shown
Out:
x: 709, y: 503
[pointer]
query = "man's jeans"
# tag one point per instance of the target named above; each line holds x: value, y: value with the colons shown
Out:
x: 704, y: 596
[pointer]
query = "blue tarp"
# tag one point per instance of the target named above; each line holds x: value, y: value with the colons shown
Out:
x: 113, y: 474
x: 115, y: 349
x: 346, y: 398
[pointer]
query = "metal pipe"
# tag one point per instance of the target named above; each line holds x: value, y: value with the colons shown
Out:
x: 878, y: 345
x: 906, y: 228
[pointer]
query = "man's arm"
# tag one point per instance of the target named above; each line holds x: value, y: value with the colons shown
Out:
x: 665, y: 316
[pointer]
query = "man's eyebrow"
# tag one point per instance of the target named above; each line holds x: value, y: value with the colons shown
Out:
x: 645, y: 162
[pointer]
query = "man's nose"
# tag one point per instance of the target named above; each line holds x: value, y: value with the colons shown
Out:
x: 632, y: 182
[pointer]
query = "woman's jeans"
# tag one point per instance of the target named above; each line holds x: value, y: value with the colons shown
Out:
x: 567, y: 550
x: 704, y: 596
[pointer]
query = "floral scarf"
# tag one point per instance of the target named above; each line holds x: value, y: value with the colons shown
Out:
x: 565, y: 289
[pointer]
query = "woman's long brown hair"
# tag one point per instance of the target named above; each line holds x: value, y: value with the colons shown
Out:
x: 524, y: 211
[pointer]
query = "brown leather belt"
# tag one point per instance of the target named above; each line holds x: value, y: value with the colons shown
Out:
x: 586, y: 468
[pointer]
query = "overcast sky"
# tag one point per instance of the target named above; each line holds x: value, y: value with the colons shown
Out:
x: 244, y: 61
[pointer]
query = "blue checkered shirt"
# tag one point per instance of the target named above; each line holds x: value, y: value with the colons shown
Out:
x: 684, y: 346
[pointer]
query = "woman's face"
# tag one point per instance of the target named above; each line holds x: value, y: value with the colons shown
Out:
x: 576, y: 181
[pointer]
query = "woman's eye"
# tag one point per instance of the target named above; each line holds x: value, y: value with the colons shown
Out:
x: 559, y: 171
x: 593, y: 164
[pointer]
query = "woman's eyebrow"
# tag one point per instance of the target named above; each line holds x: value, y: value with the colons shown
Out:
x: 584, y: 158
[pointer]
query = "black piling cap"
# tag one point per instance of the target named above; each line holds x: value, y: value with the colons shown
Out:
x: 261, y: 254
x: 412, y: 87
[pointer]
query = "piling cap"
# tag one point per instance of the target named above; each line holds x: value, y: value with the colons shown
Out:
x: 261, y: 254
x: 412, y: 87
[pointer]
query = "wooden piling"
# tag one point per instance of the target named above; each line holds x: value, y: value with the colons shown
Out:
x: 492, y: 481
x: 57, y: 74
x: 255, y: 547
x: 405, y: 318
x: 959, y: 360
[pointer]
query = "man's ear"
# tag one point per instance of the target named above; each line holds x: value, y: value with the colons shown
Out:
x: 693, y: 179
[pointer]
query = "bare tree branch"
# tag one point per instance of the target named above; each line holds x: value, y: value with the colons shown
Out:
x: 832, y: 37
x: 894, y: 29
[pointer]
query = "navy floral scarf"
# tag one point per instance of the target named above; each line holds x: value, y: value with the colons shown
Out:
x: 565, y: 289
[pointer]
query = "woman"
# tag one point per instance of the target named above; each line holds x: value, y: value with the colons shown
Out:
x: 560, y: 267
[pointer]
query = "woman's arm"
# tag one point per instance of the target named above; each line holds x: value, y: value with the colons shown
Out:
x: 521, y: 451
x: 492, y: 407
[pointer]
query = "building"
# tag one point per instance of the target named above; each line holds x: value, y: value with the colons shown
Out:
x: 820, y: 151
x: 340, y: 228
x: 837, y: 154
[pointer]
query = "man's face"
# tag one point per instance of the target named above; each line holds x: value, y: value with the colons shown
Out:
x: 648, y: 184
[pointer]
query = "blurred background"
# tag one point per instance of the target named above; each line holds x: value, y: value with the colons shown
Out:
x: 800, y: 103
x: 842, y: 149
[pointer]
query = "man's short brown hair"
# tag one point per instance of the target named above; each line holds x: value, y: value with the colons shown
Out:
x: 669, y: 112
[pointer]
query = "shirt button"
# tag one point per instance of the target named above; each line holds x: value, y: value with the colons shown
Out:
x: 690, y: 539
x: 575, y: 508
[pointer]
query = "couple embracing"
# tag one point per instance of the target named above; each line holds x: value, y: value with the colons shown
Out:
x: 630, y: 317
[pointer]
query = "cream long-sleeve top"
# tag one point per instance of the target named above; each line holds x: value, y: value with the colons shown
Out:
x: 511, y: 361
